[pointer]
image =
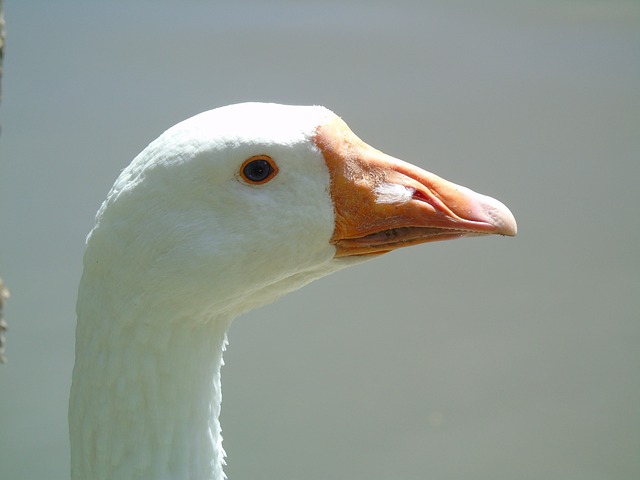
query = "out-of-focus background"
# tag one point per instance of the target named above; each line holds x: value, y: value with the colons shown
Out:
x: 477, y: 359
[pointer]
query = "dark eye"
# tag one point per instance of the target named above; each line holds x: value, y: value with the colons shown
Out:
x: 259, y: 169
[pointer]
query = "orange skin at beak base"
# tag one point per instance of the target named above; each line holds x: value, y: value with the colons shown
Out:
x: 370, y: 221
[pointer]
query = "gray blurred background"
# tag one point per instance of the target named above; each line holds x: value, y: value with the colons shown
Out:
x: 486, y: 358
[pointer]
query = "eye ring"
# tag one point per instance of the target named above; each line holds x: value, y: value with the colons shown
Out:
x: 258, y: 169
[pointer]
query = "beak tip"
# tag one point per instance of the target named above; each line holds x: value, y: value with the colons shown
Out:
x: 501, y: 217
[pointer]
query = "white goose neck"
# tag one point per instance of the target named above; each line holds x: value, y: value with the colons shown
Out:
x: 146, y: 395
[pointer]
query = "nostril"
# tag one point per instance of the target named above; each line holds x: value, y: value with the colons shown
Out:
x: 418, y: 195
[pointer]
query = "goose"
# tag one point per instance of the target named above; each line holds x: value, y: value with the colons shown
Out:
x: 223, y: 213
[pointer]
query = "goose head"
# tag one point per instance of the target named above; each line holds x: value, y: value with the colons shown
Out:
x: 234, y: 207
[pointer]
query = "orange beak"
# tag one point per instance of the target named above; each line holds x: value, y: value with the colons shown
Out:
x: 382, y: 203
